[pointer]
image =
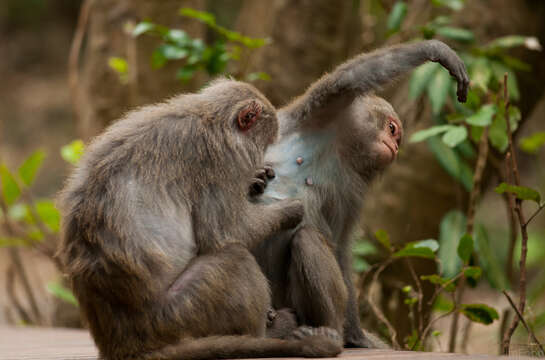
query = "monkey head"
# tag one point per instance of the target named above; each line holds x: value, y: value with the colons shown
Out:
x: 389, y: 132
x: 372, y: 137
x: 252, y: 118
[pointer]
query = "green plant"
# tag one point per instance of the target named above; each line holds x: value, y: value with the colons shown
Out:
x: 30, y: 222
x: 194, y: 54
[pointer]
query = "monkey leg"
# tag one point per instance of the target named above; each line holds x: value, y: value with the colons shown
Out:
x: 221, y: 303
x: 316, y: 289
x: 224, y: 293
x: 353, y: 334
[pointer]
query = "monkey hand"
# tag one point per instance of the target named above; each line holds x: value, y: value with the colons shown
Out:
x: 259, y: 182
x: 292, y: 213
x: 281, y: 323
x: 444, y: 55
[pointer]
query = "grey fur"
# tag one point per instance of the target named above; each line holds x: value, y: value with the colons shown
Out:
x: 157, y: 226
x: 333, y: 129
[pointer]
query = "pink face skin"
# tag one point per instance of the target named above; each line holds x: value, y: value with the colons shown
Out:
x: 388, y: 142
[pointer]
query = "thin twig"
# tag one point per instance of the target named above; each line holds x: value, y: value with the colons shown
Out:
x: 18, y: 264
x: 521, y: 318
x: 510, y: 202
x: 430, y: 324
x: 10, y: 291
x: 474, y: 195
x: 534, y: 214
x: 420, y: 295
x: 441, y: 287
x: 522, y: 222
x: 74, y: 56
x: 379, y: 314
x: 465, y: 338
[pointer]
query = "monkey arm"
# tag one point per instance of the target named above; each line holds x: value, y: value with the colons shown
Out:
x: 327, y: 97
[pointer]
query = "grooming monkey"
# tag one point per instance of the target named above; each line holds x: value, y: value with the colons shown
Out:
x: 157, y: 226
x: 333, y: 140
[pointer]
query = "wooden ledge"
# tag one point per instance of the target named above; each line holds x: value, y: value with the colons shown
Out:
x: 32, y: 343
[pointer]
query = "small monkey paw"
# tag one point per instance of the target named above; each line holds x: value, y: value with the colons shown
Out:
x: 305, y: 331
x: 294, y: 211
x: 281, y: 323
x: 259, y: 182
x: 318, y: 342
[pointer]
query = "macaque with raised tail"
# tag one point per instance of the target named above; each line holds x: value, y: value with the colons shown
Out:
x: 157, y: 224
x: 334, y: 139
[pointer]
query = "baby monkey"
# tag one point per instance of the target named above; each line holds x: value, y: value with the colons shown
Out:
x: 157, y: 227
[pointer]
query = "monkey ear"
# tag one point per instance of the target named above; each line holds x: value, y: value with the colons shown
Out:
x: 249, y: 115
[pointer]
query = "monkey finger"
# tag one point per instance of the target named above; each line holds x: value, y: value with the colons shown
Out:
x: 269, y: 171
x: 463, y: 84
x: 257, y: 187
x: 261, y: 174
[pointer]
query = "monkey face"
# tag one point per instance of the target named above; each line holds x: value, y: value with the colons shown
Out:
x: 390, y: 132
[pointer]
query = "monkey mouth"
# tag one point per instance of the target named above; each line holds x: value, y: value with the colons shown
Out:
x: 392, y: 148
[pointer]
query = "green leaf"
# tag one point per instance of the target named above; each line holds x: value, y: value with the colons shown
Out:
x: 532, y: 143
x: 455, y: 136
x: 498, y: 130
x: 30, y: 167
x: 10, y: 189
x: 203, y: 16
x: 436, y: 333
x: 61, y: 292
x: 480, y: 73
x: 489, y: 260
x: 424, y: 248
x: 11, y: 242
x: 363, y: 248
x: 421, y: 77
x: 453, y: 164
x: 465, y: 248
x: 443, y: 304
x: 483, y: 117
x: 73, y: 151
x: 383, y: 238
x: 473, y: 272
x: 158, y: 59
x: 142, y: 27
x: 359, y: 265
x: 172, y: 52
x: 521, y: 192
x: 480, y: 313
x: 451, y: 229
x: 499, y: 70
x: 457, y: 34
x: 185, y: 73
x: 19, y: 212
x: 49, y: 214
x: 455, y: 5
x: 258, y: 76
x: 510, y: 41
x: 438, y: 89
x: 119, y: 65
x: 398, y: 13
x: 407, y: 289
x: 438, y: 280
x: 429, y: 132
x: 179, y: 37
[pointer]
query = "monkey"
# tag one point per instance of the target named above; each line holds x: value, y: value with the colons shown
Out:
x: 157, y: 227
x: 333, y: 141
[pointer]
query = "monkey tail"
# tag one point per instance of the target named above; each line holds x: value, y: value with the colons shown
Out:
x: 244, y: 347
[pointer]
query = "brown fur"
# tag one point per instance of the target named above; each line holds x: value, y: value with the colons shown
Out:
x: 157, y: 226
x: 336, y: 127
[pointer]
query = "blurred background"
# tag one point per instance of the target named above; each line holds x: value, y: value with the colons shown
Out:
x: 70, y: 68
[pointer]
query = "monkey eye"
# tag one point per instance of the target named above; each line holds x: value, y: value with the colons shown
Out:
x: 248, y: 116
x: 393, y: 128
